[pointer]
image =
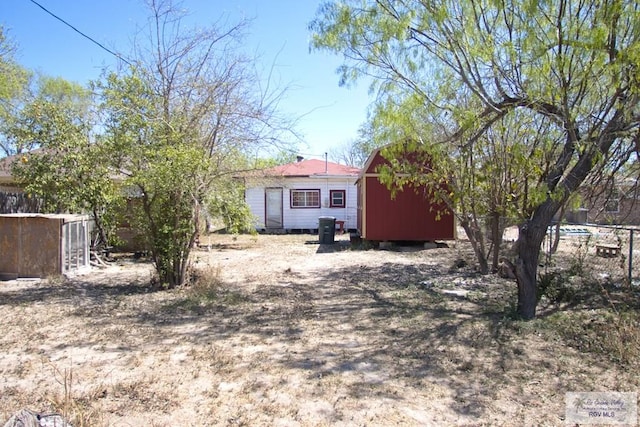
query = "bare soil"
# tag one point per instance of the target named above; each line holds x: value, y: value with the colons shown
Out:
x: 282, y: 331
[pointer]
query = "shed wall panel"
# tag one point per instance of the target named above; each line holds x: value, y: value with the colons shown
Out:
x: 360, y: 209
x: 375, y: 162
x: 9, y: 247
x: 409, y: 216
x: 30, y: 246
x: 40, y: 240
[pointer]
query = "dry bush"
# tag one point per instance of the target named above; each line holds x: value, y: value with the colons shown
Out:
x: 590, y: 313
x: 627, y: 337
x: 75, y: 409
x: 603, y: 331
x: 206, y: 283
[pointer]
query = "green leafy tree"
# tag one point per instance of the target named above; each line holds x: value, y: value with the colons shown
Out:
x: 167, y: 215
x: 14, y: 85
x: 65, y: 168
x: 227, y: 203
x: 281, y: 157
x: 486, y: 179
x: 569, y: 65
x: 163, y: 166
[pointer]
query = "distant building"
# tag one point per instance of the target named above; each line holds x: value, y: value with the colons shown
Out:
x: 12, y: 197
x: 617, y: 204
x: 293, y: 196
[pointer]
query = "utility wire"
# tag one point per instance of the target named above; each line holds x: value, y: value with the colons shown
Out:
x: 117, y: 55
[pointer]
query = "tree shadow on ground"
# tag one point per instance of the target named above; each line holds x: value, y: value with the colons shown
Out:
x: 365, y: 324
x: 327, y: 248
x: 66, y: 289
x: 376, y: 323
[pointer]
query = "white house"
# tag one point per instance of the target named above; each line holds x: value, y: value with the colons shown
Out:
x: 293, y: 196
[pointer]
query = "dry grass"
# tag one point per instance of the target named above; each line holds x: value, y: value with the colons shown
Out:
x: 76, y: 408
x: 278, y: 330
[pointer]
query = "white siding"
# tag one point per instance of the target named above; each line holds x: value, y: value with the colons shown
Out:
x: 255, y: 200
x: 306, y: 218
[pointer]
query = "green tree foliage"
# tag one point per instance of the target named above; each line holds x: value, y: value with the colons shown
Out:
x: 164, y: 167
x: 227, y: 203
x: 64, y: 167
x: 167, y: 214
x: 488, y: 183
x: 281, y: 157
x: 14, y: 84
x: 569, y: 68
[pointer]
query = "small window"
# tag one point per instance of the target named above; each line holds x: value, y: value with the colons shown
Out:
x: 338, y: 199
x: 612, y: 204
x: 305, y: 198
x: 633, y: 192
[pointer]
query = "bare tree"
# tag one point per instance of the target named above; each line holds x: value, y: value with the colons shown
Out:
x: 180, y: 120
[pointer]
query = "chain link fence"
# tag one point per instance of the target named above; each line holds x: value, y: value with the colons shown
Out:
x: 608, y: 253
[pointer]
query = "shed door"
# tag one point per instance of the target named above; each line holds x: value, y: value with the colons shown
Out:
x: 273, y: 207
x: 75, y: 246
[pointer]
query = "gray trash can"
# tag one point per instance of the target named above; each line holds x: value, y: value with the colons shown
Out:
x: 326, y: 229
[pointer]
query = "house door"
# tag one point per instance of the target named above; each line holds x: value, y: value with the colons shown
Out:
x: 273, y: 207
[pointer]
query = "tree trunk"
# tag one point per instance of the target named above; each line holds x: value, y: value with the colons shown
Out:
x: 477, y: 243
x: 102, y: 235
x: 556, y: 235
x: 526, y: 274
x: 496, y: 238
x: 530, y: 237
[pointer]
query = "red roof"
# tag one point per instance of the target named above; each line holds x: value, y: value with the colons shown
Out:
x: 312, y: 167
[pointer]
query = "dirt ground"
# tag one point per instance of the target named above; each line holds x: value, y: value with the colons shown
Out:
x: 290, y: 333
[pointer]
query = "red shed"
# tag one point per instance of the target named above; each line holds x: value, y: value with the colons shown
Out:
x: 410, y: 216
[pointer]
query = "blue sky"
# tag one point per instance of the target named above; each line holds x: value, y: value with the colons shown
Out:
x: 278, y: 33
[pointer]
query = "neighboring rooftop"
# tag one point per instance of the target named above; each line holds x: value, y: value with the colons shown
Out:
x: 301, y: 168
x: 312, y: 167
x: 64, y: 217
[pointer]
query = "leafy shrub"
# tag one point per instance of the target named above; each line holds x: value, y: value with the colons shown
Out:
x: 556, y: 287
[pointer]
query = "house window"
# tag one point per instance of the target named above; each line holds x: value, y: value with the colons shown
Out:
x: 305, y: 198
x: 338, y: 198
x: 612, y: 204
x: 633, y: 192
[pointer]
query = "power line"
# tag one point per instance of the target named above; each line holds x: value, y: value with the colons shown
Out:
x: 117, y: 55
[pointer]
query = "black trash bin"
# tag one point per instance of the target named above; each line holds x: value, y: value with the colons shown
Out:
x: 326, y: 229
